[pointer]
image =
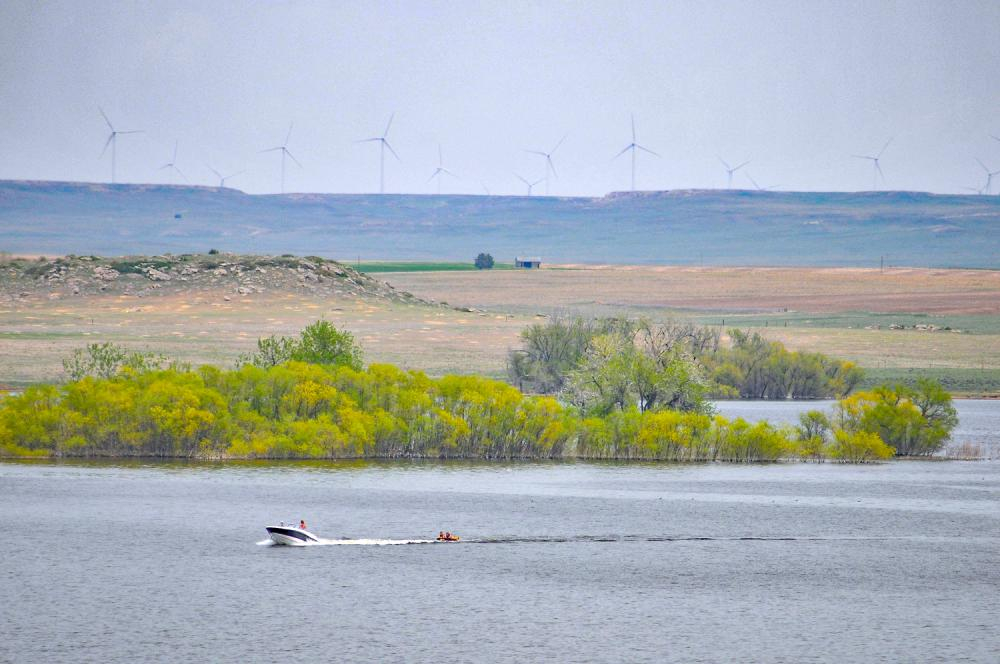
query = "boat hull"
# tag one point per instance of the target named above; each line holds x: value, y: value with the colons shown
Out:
x: 288, y: 536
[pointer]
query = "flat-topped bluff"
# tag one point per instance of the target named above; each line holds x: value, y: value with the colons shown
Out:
x: 710, y: 227
x: 227, y: 275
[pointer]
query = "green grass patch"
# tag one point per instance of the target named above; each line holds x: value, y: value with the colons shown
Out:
x: 969, y: 382
x: 969, y: 324
x: 139, y: 266
x: 411, y: 266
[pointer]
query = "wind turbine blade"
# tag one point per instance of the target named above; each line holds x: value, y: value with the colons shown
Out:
x: 553, y: 151
x: 861, y: 156
x: 289, y: 136
x: 723, y: 161
x: 104, y: 115
x: 754, y: 182
x: 879, y: 169
x: 995, y: 138
x: 367, y: 140
x: 271, y: 150
x: 548, y: 160
x: 434, y: 175
x: 632, y: 115
x: 982, y: 164
x: 292, y: 157
x: 536, y: 152
x: 388, y: 124
x: 883, y: 148
x: 164, y: 166
x: 447, y: 172
x: 647, y: 150
x: 217, y: 173
x: 622, y: 152
x: 522, y: 179
x: 107, y: 143
x: 741, y: 165
x: 537, y: 182
x: 133, y: 131
x: 181, y: 173
x: 391, y: 150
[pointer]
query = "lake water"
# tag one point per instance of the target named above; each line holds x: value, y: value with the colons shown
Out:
x: 978, y: 419
x: 559, y: 562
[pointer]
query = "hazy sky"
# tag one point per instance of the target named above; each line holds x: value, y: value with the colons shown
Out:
x: 795, y: 86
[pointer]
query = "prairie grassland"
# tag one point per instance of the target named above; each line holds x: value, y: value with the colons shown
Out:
x: 717, y: 289
x: 844, y: 312
x: 826, y: 310
x: 203, y: 328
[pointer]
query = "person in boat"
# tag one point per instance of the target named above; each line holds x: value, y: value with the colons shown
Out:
x: 441, y: 535
x: 302, y: 524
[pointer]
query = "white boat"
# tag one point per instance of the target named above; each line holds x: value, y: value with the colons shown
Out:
x: 291, y: 535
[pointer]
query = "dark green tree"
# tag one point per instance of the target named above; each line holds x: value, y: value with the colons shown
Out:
x: 319, y: 343
x: 322, y: 343
x: 484, y: 262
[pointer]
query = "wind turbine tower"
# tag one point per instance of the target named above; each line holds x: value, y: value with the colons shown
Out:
x: 113, y: 142
x: 633, y: 147
x: 172, y: 166
x: 550, y: 168
x: 730, y: 170
x: 877, y: 170
x: 530, y: 185
x: 989, y: 177
x: 757, y: 186
x: 383, y: 144
x: 440, y: 170
x: 223, y: 178
x: 284, y: 153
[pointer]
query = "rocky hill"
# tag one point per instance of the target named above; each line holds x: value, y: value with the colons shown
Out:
x: 223, y: 275
x: 709, y: 227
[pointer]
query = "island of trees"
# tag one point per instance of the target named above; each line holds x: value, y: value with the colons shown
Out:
x: 616, y: 390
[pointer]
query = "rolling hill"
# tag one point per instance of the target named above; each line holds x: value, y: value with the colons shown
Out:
x: 712, y: 227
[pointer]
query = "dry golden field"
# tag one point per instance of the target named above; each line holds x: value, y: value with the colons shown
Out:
x: 200, y: 329
x: 715, y: 289
x: 845, y: 312
x: 824, y: 310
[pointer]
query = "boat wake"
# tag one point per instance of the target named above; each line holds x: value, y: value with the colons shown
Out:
x: 355, y: 542
x: 514, y: 539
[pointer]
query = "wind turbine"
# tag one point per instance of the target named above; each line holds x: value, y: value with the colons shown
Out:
x: 989, y: 177
x: 530, y: 185
x: 383, y: 144
x: 172, y: 166
x: 877, y: 171
x: 757, y: 186
x: 113, y: 141
x: 440, y: 170
x: 284, y: 152
x: 730, y: 170
x: 550, y: 168
x: 223, y: 178
x: 633, y: 146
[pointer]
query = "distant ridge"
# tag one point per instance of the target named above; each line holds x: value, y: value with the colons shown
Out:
x: 692, y: 226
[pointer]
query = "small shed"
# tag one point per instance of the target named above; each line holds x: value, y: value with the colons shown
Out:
x: 528, y: 263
